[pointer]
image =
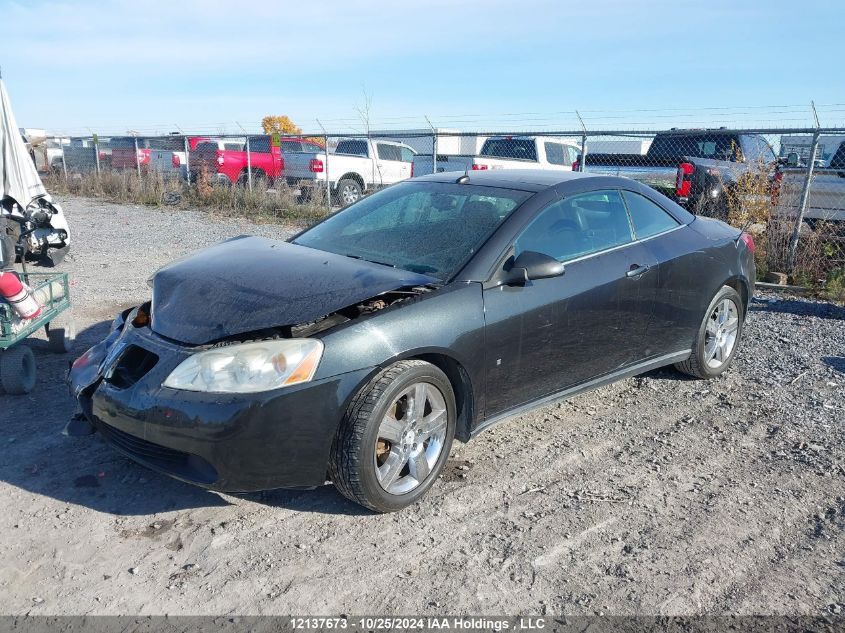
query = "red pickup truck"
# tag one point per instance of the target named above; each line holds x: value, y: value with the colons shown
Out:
x: 226, y: 160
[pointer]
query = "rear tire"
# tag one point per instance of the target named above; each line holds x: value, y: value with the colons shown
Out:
x: 17, y: 370
x: 718, y: 336
x: 348, y: 192
x: 395, y: 437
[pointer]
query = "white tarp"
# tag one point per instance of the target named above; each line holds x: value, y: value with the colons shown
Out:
x: 20, y: 180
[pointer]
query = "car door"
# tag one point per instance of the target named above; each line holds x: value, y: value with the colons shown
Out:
x: 552, y: 334
x: 678, y: 300
x: 389, y: 163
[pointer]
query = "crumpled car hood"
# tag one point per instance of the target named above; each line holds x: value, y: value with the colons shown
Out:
x: 251, y: 283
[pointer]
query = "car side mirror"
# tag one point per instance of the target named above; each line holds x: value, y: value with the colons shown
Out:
x: 532, y: 265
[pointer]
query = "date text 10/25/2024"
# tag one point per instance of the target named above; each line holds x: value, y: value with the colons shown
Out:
x: 423, y: 623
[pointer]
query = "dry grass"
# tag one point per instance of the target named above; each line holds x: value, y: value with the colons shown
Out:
x: 820, y: 258
x: 277, y: 204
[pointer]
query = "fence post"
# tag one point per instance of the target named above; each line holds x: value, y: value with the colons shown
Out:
x: 805, y: 199
x: 137, y: 158
x: 64, y: 164
x: 248, y: 164
x: 583, y: 164
x: 96, y: 141
x: 433, y: 146
x: 187, y: 160
x: 328, y: 180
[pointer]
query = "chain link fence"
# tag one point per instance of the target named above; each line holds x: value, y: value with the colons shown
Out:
x: 787, y: 186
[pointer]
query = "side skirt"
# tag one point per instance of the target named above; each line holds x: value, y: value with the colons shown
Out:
x: 628, y: 372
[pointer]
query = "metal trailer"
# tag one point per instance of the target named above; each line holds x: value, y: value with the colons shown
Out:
x: 17, y: 362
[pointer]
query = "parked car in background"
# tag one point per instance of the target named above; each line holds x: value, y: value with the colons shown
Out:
x: 696, y: 168
x: 357, y: 166
x: 230, y: 164
x: 129, y: 152
x: 207, y: 156
x: 168, y: 157
x: 826, y: 201
x: 430, y: 310
x: 82, y: 155
x: 507, y: 152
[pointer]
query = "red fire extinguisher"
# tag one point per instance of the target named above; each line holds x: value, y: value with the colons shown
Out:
x: 18, y: 296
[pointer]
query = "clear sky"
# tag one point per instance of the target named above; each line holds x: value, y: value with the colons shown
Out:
x: 203, y: 65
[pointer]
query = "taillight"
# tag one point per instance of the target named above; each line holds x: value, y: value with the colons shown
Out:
x: 683, y: 181
x: 175, y: 160
x: 749, y: 241
x: 576, y: 166
x: 316, y: 166
x: 477, y: 167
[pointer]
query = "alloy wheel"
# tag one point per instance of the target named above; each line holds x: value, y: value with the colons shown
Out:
x: 721, y: 333
x: 411, y: 437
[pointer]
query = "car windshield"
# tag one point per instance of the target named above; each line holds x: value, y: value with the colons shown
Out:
x: 425, y: 227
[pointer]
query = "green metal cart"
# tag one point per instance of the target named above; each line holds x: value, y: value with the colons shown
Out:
x: 17, y: 362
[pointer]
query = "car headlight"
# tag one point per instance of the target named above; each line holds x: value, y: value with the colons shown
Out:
x: 249, y: 367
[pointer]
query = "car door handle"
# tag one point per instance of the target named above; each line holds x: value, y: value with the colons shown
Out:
x: 636, y: 270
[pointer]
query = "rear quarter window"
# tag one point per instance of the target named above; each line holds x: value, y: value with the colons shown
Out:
x: 388, y: 152
x: 648, y: 218
x: 356, y: 148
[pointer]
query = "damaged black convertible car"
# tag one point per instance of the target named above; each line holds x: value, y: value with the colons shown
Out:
x: 355, y: 352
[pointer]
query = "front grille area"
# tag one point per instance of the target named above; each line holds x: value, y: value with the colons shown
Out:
x: 185, y: 465
x: 133, y: 364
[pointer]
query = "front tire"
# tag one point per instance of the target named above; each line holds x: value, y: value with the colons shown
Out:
x: 718, y: 337
x: 395, y: 438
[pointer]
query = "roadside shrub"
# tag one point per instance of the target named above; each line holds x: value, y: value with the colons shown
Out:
x: 750, y: 205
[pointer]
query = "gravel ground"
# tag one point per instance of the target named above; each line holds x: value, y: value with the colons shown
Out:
x: 655, y: 495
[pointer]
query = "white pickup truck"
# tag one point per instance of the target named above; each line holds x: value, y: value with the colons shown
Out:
x: 507, y: 152
x: 827, y: 191
x: 357, y: 165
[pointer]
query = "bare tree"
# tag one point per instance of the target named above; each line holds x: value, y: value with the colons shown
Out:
x: 364, y: 109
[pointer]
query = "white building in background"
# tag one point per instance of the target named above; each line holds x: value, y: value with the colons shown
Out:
x: 447, y: 141
x: 800, y: 143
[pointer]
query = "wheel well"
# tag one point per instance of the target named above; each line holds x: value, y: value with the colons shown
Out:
x: 741, y: 288
x: 352, y: 176
x: 256, y: 171
x: 461, y: 384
